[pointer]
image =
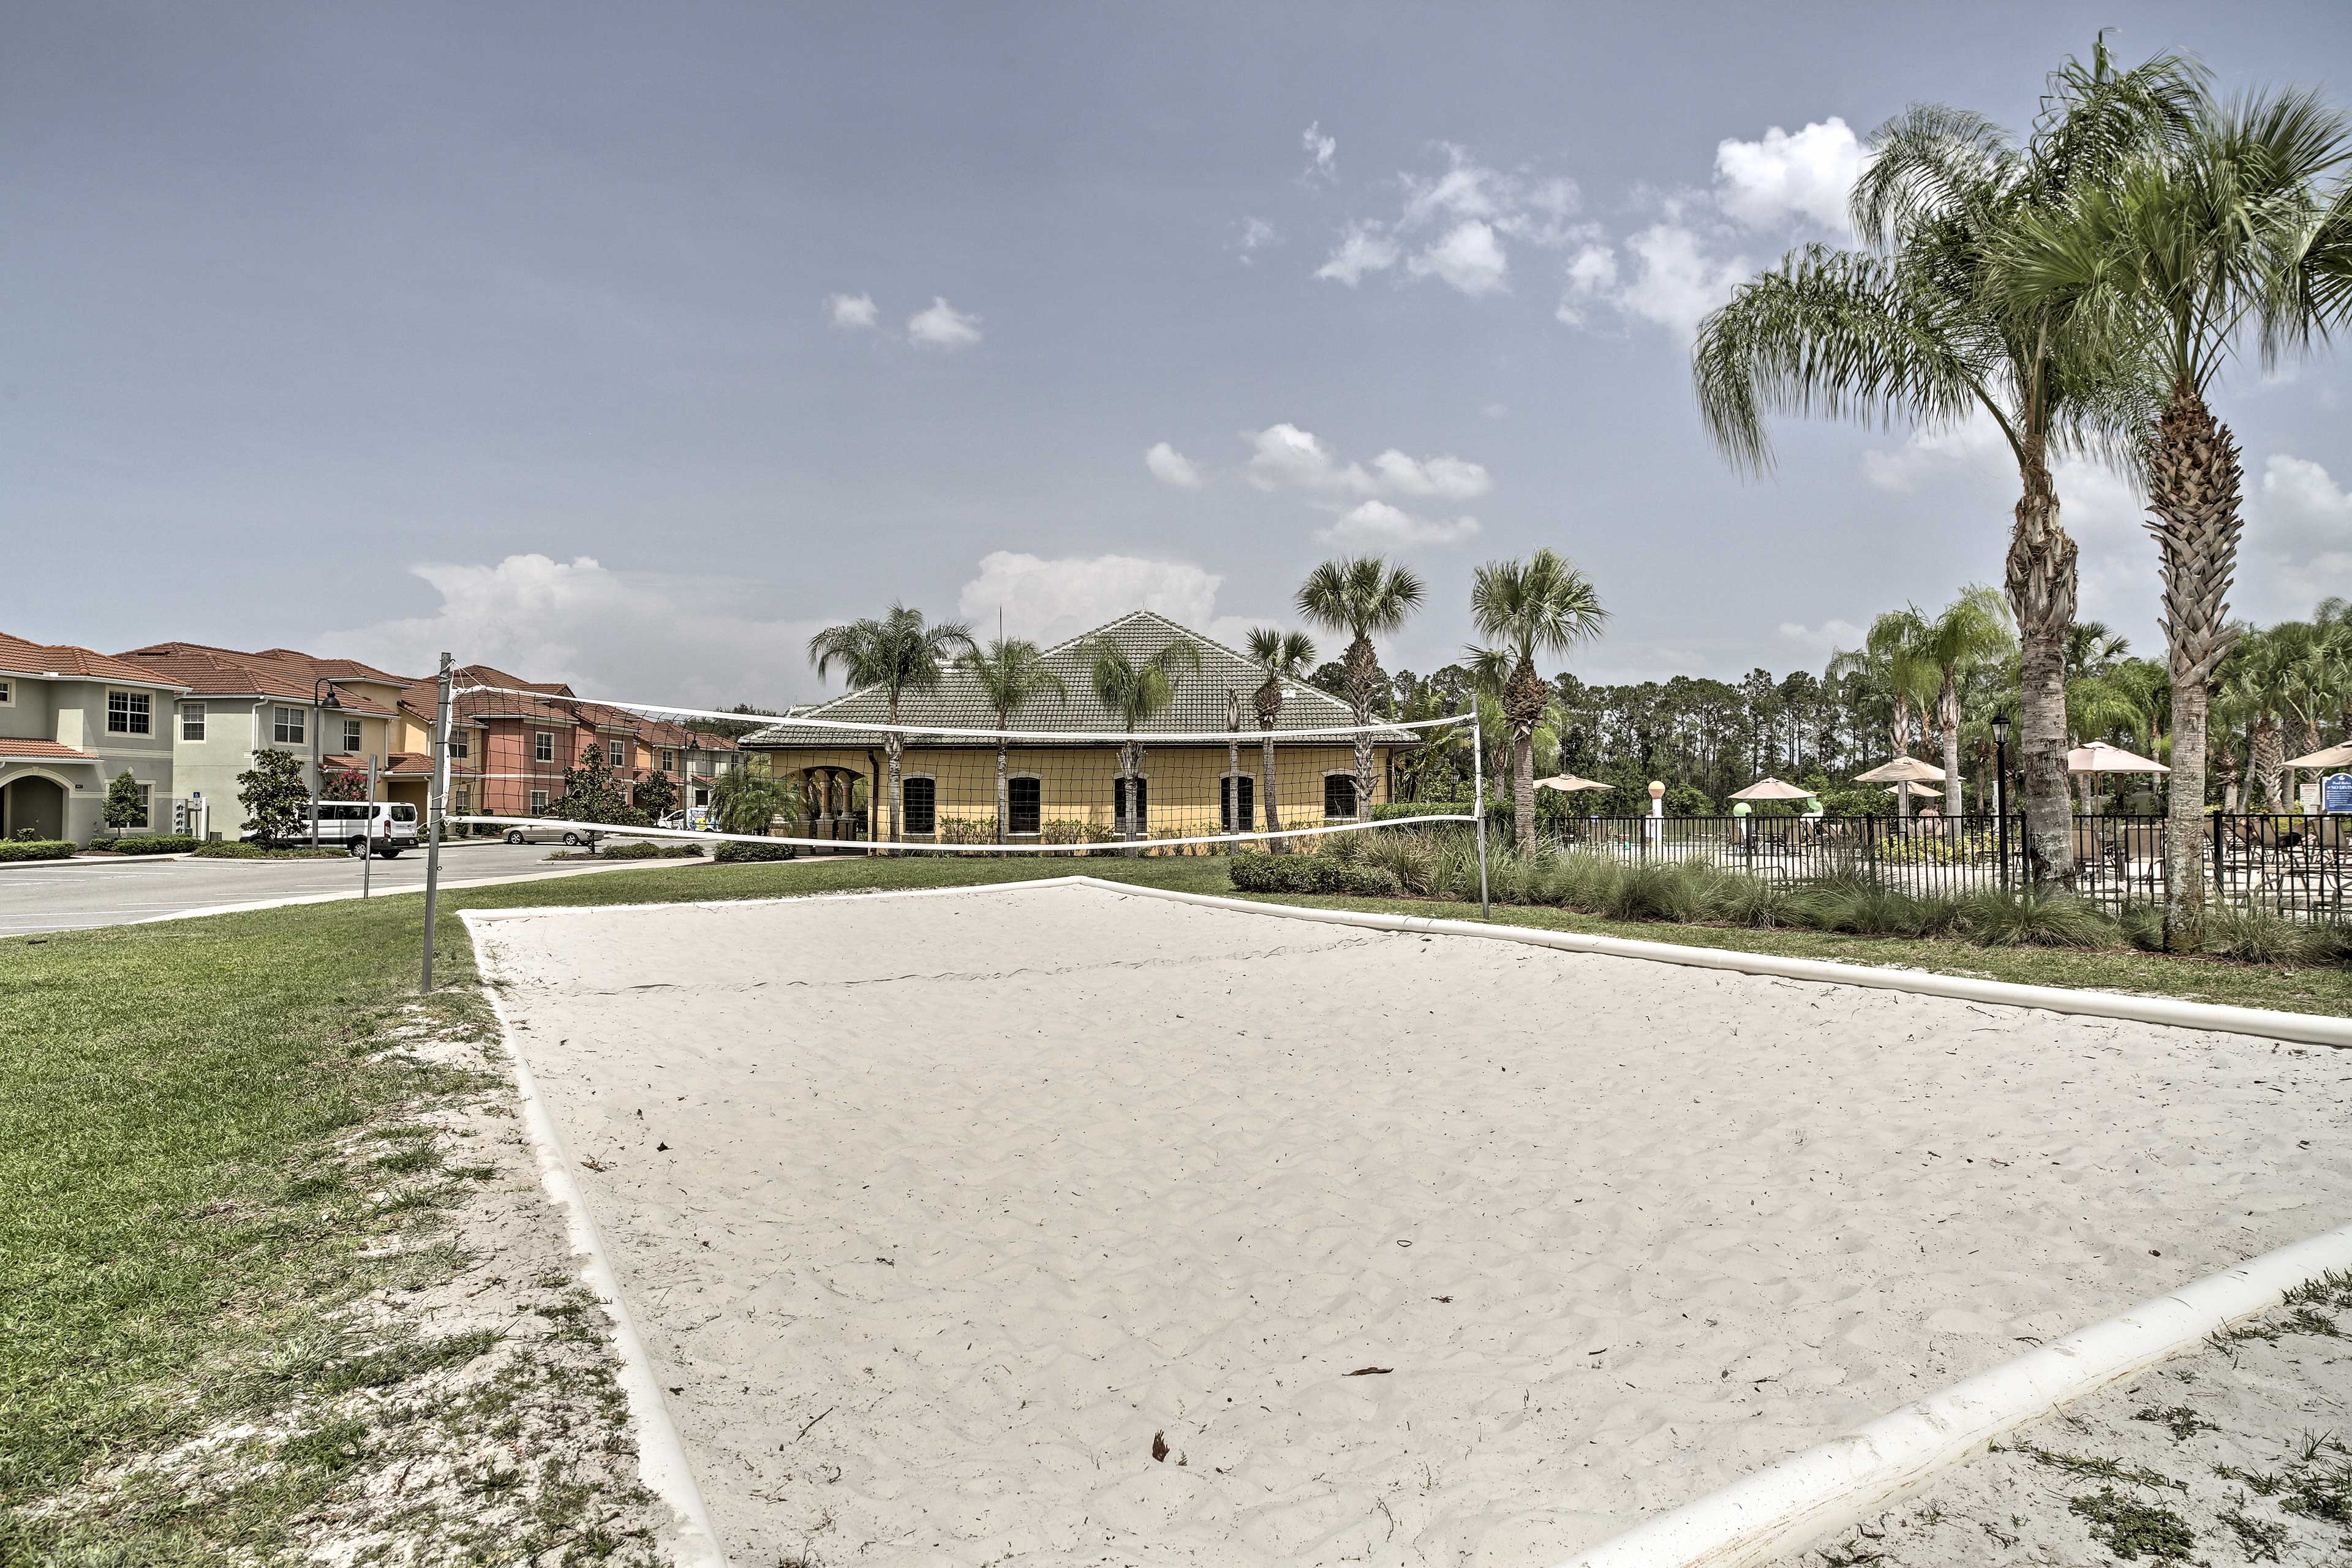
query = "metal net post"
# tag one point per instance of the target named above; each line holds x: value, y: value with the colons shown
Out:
x: 1478, y: 806
x: 435, y: 794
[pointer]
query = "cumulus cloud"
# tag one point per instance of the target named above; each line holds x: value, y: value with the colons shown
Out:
x: 1469, y: 258
x: 1783, y: 180
x: 1171, y: 466
x: 851, y: 310
x: 943, y: 326
x: 1256, y: 235
x: 1363, y: 248
x: 1675, y: 282
x: 1454, y: 225
x: 1926, y: 454
x: 1286, y: 458
x: 1050, y: 599
x: 1322, y: 152
x: 647, y: 636
x: 2300, y: 551
x: 1449, y: 476
x: 1377, y: 524
x: 1831, y: 636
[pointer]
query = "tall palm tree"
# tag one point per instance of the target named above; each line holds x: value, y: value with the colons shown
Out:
x: 1541, y: 605
x: 2169, y: 264
x: 1011, y: 673
x: 897, y: 655
x: 1280, y: 656
x: 1927, y: 325
x: 1893, y: 661
x: 1972, y: 628
x: 1361, y: 595
x: 1137, y: 690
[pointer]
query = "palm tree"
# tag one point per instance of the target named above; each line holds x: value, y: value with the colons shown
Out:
x: 1972, y: 628
x: 2167, y: 264
x: 1893, y: 660
x: 1541, y: 605
x: 1137, y: 690
x: 895, y: 655
x: 1011, y: 673
x: 1280, y: 656
x: 1361, y: 595
x: 1932, y: 328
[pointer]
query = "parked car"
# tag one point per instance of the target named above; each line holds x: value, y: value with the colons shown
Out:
x: 546, y: 833
x: 384, y: 827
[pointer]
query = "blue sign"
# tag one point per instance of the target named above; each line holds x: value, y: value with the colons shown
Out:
x: 2336, y: 792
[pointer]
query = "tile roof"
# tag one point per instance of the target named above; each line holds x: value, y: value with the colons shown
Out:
x: 1198, y: 711
x: 12, y: 749
x: 26, y: 657
x: 209, y: 671
x: 338, y: 669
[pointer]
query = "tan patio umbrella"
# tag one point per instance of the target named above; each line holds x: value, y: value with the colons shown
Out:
x: 2098, y: 757
x: 1917, y: 790
x: 1568, y: 783
x: 1771, y: 789
x: 1902, y: 770
x: 2326, y: 757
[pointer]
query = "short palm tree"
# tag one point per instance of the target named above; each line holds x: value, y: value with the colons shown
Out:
x: 897, y: 655
x: 1893, y: 664
x: 1361, y: 595
x: 1011, y: 673
x: 2169, y: 265
x: 1973, y: 628
x: 1933, y: 328
x: 1137, y: 690
x: 1280, y: 656
x: 1541, y: 605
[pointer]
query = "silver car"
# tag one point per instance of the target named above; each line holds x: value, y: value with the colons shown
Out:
x: 546, y: 833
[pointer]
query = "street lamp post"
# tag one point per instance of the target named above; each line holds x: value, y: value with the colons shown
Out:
x: 323, y: 696
x: 2001, y: 788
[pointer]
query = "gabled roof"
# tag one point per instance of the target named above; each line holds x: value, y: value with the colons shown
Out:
x: 207, y: 671
x: 1198, y: 713
x: 22, y: 658
x: 312, y: 665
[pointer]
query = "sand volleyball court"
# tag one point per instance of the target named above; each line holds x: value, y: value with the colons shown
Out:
x: 943, y: 1215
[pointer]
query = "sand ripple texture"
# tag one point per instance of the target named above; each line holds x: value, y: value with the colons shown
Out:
x: 937, y: 1211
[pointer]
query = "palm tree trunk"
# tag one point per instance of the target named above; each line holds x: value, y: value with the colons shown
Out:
x: 895, y: 749
x: 1903, y: 749
x: 1004, y: 795
x: 1266, y: 794
x: 2193, y: 483
x: 2040, y: 581
x: 2269, y: 764
x: 1363, y: 667
x: 1132, y: 756
x: 1947, y: 718
x: 1234, y: 786
x: 1523, y: 792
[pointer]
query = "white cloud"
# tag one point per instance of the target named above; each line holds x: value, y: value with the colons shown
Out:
x: 1449, y: 476
x: 1171, y: 466
x: 1322, y: 152
x: 2300, y: 549
x: 1256, y: 235
x: 1469, y: 258
x: 1676, y: 283
x: 943, y: 326
x: 1467, y: 189
x: 1831, y: 636
x: 1926, y: 454
x: 1592, y: 275
x: 851, y: 309
x: 1050, y: 599
x: 1783, y: 180
x: 1377, y: 524
x: 647, y: 636
x: 1363, y: 248
x: 1285, y: 457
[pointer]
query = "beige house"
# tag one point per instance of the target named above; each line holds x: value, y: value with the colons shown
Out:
x: 72, y: 721
x: 1075, y: 791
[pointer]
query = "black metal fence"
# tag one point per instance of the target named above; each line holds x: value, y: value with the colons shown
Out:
x: 2293, y: 866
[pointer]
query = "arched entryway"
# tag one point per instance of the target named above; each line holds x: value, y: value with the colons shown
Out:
x: 834, y: 804
x: 32, y: 805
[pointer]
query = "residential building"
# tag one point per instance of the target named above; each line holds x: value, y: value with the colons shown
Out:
x: 72, y: 721
x: 1056, y: 793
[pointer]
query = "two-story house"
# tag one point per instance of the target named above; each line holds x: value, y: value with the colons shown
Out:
x: 72, y: 721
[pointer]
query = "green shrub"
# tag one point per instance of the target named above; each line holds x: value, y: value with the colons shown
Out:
x: 2327, y: 943
x: 967, y: 830
x: 736, y: 852
x: 2252, y: 936
x: 147, y: 844
x: 2032, y: 917
x: 37, y: 848
x: 1252, y: 872
x: 2143, y: 926
x: 1071, y: 830
x: 636, y: 850
x: 227, y: 849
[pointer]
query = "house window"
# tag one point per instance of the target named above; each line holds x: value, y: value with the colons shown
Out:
x: 543, y: 748
x: 1130, y: 821
x: 539, y: 802
x: 458, y: 745
x: 464, y: 805
x: 191, y: 720
x: 287, y: 726
x: 1025, y: 805
x: 922, y: 798
x: 614, y: 754
x: 1244, y: 794
x: 7, y: 692
x: 351, y: 735
x: 1340, y: 796
x: 128, y: 713
x: 669, y: 762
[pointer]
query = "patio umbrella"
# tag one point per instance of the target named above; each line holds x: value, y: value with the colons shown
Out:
x: 1570, y: 784
x: 1902, y: 770
x: 1917, y: 790
x: 2326, y: 757
x: 1771, y: 789
x: 2098, y: 757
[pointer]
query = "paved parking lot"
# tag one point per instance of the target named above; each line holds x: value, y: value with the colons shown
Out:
x: 68, y: 895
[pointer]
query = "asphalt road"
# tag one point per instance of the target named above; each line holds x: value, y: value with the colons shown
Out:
x: 68, y: 895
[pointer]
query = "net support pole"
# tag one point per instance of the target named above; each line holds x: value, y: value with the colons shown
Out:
x: 367, y: 837
x: 435, y: 791
x: 1478, y: 806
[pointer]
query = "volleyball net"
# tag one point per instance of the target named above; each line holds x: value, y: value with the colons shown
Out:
x: 523, y: 763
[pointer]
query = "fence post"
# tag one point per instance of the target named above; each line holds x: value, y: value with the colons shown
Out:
x: 433, y: 798
x: 1870, y: 845
x: 2221, y: 888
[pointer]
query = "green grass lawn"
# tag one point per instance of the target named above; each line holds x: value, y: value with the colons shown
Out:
x: 169, y: 1093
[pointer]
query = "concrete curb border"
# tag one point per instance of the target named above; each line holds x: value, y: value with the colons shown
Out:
x: 290, y: 899
x: 2303, y: 1028
x: 1792, y: 1504
x: 661, y: 1453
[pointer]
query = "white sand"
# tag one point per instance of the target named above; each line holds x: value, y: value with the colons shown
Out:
x: 966, y: 1197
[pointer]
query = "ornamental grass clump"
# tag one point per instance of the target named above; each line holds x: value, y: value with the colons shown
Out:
x: 2032, y: 918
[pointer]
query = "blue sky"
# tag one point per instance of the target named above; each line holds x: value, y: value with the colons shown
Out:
x: 627, y: 345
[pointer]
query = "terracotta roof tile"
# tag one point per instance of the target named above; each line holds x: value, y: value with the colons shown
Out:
x: 64, y: 658
x: 11, y: 747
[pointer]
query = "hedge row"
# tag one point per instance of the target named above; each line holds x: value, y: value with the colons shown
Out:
x: 37, y: 848
x: 735, y: 851
x: 1257, y: 873
x: 146, y: 844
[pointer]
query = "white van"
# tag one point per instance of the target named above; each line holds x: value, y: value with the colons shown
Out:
x: 382, y: 828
